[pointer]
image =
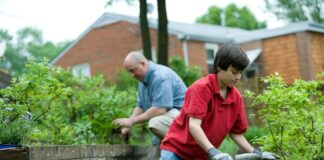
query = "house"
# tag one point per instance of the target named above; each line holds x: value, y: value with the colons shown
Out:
x: 294, y: 51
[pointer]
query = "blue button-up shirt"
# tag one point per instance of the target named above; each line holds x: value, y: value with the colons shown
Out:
x: 161, y: 87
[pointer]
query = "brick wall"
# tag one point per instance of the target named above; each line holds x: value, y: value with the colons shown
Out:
x: 197, y: 55
x: 106, y: 47
x: 317, y: 45
x: 280, y: 54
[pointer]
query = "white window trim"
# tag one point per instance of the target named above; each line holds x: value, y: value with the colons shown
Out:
x: 82, y: 69
x: 211, y: 46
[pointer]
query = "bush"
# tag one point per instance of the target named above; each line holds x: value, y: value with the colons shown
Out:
x: 255, y: 132
x: 228, y: 146
x: 125, y: 81
x: 61, y: 109
x: 294, y: 117
x: 188, y: 74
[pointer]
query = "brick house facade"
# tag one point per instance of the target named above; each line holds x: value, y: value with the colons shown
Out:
x: 294, y: 51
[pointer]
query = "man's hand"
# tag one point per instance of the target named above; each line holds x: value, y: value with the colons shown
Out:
x: 123, y: 122
x: 125, y: 130
x: 266, y: 155
x: 215, y: 154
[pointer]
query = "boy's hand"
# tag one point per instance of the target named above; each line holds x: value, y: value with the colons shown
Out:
x: 266, y: 155
x: 215, y: 154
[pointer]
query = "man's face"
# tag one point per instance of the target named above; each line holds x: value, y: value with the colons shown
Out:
x: 136, y: 69
x: 229, y: 77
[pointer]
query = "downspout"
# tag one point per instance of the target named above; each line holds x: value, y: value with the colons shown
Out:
x: 185, y: 49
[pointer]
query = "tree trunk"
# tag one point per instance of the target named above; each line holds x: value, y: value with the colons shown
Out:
x: 162, y: 33
x: 145, y: 32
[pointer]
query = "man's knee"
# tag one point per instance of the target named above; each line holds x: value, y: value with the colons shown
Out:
x: 157, y: 126
x: 154, y: 122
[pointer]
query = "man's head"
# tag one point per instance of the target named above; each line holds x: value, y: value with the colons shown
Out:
x: 136, y: 64
x: 229, y: 63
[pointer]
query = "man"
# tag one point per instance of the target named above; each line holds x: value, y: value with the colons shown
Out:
x: 213, y: 108
x: 160, y: 95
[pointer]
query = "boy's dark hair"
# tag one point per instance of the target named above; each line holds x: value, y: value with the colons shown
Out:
x: 230, y: 54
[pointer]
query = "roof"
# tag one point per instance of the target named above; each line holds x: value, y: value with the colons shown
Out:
x: 200, y: 32
x: 288, y: 29
x: 203, y: 32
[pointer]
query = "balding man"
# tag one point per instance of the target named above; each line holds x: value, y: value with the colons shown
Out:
x: 160, y: 95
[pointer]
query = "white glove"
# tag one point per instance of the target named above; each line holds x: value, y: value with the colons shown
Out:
x: 266, y: 155
x: 215, y: 154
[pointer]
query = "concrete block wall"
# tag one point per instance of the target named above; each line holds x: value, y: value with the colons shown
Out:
x: 93, y: 152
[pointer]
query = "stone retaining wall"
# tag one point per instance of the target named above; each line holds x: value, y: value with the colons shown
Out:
x: 84, y: 152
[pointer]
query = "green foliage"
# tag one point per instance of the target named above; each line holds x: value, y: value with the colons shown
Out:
x: 188, y: 74
x: 29, y: 99
x: 28, y: 45
x: 228, y: 146
x: 255, y: 132
x: 47, y: 105
x: 125, y: 80
x: 14, y: 132
x: 297, y: 10
x: 234, y: 17
x: 294, y: 116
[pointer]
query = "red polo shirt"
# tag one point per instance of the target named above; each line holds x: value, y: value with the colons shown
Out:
x: 219, y: 117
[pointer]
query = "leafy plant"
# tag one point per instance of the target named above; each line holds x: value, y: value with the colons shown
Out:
x: 228, y: 146
x: 28, y: 100
x: 47, y: 105
x: 188, y: 74
x: 255, y: 132
x: 125, y: 81
x: 294, y: 116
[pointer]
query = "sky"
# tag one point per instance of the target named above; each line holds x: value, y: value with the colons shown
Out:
x: 61, y: 20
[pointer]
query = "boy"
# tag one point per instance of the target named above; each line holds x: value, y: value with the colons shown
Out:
x: 213, y: 108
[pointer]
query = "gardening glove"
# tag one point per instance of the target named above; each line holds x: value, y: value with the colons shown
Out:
x: 266, y: 155
x: 215, y: 154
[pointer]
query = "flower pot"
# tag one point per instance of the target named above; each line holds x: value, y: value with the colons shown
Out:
x: 8, y: 146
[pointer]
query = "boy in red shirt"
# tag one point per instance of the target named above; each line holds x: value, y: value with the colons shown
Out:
x: 213, y: 108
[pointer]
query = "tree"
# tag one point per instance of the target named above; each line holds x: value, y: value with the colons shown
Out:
x: 145, y: 31
x: 12, y: 60
x: 30, y: 40
x: 297, y: 10
x: 233, y: 17
x: 29, y: 44
x: 162, y: 33
x: 145, y: 34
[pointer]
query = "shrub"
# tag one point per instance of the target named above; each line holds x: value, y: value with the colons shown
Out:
x: 228, y: 146
x: 294, y: 116
x: 125, y: 81
x: 60, y: 108
x: 255, y: 132
x: 188, y: 74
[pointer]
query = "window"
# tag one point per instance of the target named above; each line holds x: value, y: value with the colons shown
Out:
x: 81, y: 70
x: 211, y: 50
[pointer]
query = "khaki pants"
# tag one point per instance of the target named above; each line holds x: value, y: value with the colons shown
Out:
x: 163, y: 122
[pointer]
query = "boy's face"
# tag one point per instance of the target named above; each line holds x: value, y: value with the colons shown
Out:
x: 229, y: 77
